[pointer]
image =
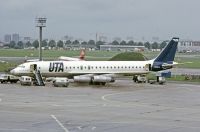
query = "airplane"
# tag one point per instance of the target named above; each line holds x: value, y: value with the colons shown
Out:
x: 2, y: 61
x: 99, y: 72
x: 64, y: 58
x: 81, y: 57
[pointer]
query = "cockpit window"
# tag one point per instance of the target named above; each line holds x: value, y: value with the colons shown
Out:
x: 21, y: 66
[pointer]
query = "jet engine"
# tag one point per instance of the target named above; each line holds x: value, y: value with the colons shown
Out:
x: 104, y: 79
x: 82, y: 79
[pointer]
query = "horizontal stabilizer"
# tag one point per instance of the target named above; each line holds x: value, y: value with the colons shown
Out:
x: 174, y: 64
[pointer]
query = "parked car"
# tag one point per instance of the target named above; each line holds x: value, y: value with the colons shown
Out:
x: 4, y: 78
x: 26, y: 80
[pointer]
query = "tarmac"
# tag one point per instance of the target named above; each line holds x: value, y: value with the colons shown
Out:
x: 123, y: 106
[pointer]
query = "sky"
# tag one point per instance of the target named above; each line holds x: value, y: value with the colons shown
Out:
x: 112, y: 18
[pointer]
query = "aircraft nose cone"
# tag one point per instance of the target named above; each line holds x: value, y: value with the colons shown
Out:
x: 12, y: 71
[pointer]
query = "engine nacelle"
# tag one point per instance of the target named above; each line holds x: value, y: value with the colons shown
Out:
x: 82, y: 79
x: 103, y: 79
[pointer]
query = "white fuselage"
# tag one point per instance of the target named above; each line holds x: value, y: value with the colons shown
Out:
x: 67, y: 68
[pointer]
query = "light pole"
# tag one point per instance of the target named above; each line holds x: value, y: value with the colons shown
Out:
x: 40, y: 22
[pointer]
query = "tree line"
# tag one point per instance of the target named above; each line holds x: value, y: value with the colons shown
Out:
x: 61, y: 44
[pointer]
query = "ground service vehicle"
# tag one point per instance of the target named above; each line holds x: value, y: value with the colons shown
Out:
x: 140, y: 78
x: 25, y: 80
x: 8, y: 78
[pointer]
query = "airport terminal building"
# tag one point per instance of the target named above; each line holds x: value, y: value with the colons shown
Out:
x: 121, y: 48
x: 191, y: 46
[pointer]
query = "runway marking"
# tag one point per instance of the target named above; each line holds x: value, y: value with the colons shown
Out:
x: 139, y: 104
x: 93, y: 128
x: 2, y: 129
x: 56, y: 105
x: 79, y: 127
x: 59, y: 123
x: 104, y: 96
x: 104, y: 105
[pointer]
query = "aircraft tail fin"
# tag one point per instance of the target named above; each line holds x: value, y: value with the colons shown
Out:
x: 165, y: 60
x: 82, y: 54
x: 168, y: 53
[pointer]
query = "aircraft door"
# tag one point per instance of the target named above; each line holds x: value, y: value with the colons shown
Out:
x: 148, y: 67
x: 33, y: 67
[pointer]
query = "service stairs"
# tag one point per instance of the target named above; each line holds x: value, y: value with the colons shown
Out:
x: 38, y: 77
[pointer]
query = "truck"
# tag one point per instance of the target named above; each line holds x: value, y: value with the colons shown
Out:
x: 4, y: 78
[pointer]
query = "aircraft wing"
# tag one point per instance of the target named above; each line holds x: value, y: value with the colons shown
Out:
x: 64, y: 58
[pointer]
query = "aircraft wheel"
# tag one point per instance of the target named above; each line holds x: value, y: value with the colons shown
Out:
x: 103, y: 83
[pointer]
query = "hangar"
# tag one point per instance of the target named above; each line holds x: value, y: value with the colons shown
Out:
x: 192, y: 46
x: 121, y: 48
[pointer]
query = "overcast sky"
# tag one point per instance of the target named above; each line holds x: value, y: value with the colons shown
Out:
x: 113, y: 18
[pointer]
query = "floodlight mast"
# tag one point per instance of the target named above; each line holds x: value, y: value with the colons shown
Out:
x: 40, y: 22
